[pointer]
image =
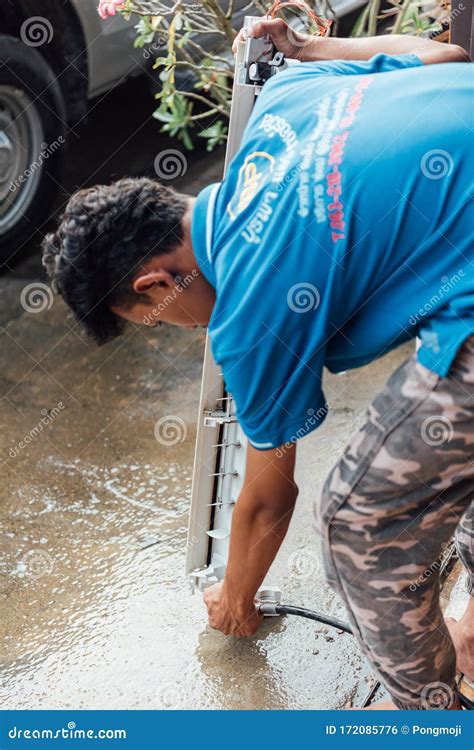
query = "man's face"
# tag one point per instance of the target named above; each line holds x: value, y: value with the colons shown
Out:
x: 167, y: 298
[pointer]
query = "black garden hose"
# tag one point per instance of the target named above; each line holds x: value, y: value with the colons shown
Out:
x: 272, y: 609
x: 269, y: 609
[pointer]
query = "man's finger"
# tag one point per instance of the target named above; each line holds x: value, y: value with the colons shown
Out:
x: 222, y: 628
x: 241, y: 37
x: 274, y: 27
x: 250, y: 627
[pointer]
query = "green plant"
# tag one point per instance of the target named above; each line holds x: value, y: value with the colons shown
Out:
x: 416, y: 17
x: 192, y: 45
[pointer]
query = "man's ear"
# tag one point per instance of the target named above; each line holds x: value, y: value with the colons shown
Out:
x: 149, y: 279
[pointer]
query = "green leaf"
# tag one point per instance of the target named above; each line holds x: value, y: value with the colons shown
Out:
x: 160, y: 61
x: 359, y: 26
x: 145, y: 31
x: 174, y: 107
x: 155, y: 22
x: 162, y: 116
x: 143, y: 25
x: 187, y: 140
x: 215, y: 134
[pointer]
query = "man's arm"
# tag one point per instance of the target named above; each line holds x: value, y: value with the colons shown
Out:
x: 312, y: 48
x: 259, y: 525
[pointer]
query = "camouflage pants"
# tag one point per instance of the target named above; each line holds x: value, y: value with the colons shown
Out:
x: 389, y: 508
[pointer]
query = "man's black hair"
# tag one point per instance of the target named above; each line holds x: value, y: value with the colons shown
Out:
x: 104, y: 235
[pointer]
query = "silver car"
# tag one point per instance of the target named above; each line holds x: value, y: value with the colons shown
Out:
x: 55, y: 55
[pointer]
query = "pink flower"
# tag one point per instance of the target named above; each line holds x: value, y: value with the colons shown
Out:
x: 108, y: 7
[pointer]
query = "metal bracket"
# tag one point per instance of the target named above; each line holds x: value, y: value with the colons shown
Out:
x: 269, y: 595
x: 261, y: 71
x: 219, y: 465
x: 218, y: 417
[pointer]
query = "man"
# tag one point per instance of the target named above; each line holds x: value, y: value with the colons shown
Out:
x: 341, y: 231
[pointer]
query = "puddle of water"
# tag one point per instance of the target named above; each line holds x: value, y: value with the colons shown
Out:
x: 95, y: 608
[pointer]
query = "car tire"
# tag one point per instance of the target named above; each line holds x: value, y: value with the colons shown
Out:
x: 32, y: 144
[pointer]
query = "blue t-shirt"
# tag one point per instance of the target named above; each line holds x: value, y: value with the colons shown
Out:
x: 341, y: 230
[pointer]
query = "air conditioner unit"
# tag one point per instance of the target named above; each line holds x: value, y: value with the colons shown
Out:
x: 221, y: 446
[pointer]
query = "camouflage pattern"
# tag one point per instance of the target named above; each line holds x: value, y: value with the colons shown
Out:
x: 465, y: 545
x: 388, y: 510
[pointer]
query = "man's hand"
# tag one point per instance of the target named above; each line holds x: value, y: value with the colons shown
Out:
x: 226, y: 616
x: 307, y: 47
x: 259, y: 524
x: 284, y: 38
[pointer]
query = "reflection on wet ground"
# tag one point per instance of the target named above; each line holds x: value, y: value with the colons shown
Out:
x: 96, y: 611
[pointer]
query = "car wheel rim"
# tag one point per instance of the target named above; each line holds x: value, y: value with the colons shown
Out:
x: 22, y: 154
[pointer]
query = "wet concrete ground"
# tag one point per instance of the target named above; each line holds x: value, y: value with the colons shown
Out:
x: 95, y: 611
